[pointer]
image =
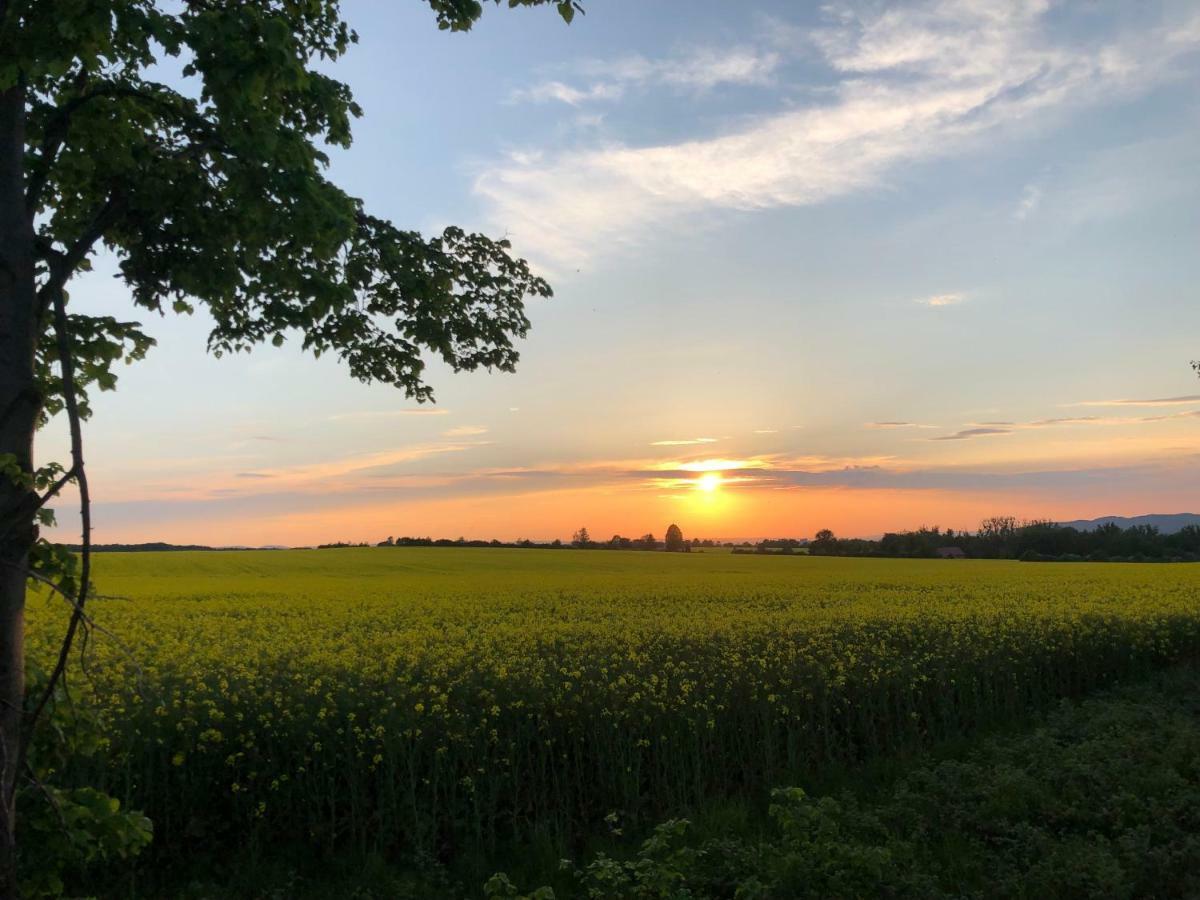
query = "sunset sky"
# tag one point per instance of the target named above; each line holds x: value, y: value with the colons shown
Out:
x: 875, y: 265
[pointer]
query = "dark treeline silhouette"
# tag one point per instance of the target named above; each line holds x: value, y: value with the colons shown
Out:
x: 772, y: 547
x: 155, y: 547
x: 580, y: 540
x: 999, y: 537
x: 1003, y: 537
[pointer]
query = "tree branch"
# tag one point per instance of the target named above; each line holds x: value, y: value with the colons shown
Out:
x: 54, y: 489
x: 63, y: 266
x: 66, y: 362
x: 50, y: 798
x: 21, y: 513
x: 92, y: 625
x: 53, y: 137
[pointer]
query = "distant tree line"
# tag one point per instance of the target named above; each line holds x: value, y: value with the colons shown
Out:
x: 772, y: 547
x: 1003, y: 537
x: 998, y: 537
x: 580, y: 540
x: 151, y: 547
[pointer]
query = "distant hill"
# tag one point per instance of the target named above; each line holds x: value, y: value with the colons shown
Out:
x: 1165, y: 523
x: 158, y: 547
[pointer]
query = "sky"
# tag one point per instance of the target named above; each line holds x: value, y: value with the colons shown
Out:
x: 874, y: 265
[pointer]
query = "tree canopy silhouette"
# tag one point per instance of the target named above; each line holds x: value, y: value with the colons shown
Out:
x: 187, y: 139
x: 674, y: 539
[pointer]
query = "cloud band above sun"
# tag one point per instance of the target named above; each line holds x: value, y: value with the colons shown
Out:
x: 908, y: 83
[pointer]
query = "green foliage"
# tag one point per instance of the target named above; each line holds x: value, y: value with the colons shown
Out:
x: 657, y: 871
x: 500, y: 887
x: 46, y: 560
x: 97, y: 344
x: 830, y: 849
x: 64, y: 832
x: 210, y: 191
x: 1100, y: 801
x: 56, y: 563
x: 460, y: 15
x: 68, y: 831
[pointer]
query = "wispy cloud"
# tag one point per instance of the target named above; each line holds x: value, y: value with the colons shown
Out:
x: 1097, y: 420
x: 952, y: 299
x: 350, y: 465
x: 701, y: 68
x: 714, y: 465
x: 968, y: 433
x: 389, y: 413
x: 1086, y: 477
x: 1075, y: 420
x: 914, y: 83
x: 464, y: 431
x: 565, y: 93
x: 346, y: 474
x: 984, y: 429
x: 1031, y: 198
x: 685, y: 442
x: 1186, y: 399
x: 766, y: 431
x: 889, y: 425
x: 812, y: 463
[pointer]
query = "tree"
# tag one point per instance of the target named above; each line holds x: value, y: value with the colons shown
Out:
x: 824, y: 544
x: 581, y: 538
x: 674, y: 540
x: 648, y: 542
x: 997, y: 535
x: 209, y: 192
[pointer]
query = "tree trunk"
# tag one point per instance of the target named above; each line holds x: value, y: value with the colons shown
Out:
x: 19, y: 404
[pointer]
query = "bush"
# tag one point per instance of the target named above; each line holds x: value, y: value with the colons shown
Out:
x: 66, y: 831
x: 1100, y: 801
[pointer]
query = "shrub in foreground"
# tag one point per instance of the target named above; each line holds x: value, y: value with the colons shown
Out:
x: 1103, y: 800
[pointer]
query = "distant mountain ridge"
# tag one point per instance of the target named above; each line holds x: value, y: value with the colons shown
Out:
x: 1166, y: 523
x: 159, y: 547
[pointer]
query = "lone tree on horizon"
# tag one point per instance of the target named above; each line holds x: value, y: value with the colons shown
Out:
x: 208, y: 190
x: 674, y: 539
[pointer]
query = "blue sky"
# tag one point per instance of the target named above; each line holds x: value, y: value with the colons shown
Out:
x: 885, y: 264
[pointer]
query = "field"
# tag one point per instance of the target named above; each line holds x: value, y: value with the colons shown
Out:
x: 443, y: 704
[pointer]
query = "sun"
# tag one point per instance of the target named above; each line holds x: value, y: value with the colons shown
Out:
x: 708, y: 482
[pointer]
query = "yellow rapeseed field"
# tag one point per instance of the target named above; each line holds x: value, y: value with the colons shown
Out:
x: 436, y: 699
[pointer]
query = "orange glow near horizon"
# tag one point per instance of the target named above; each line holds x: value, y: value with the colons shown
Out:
x: 725, y: 513
x: 717, y: 465
x: 722, y: 497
